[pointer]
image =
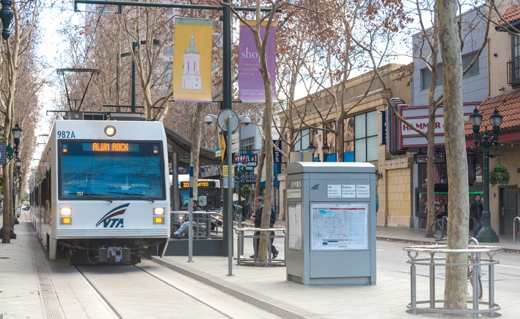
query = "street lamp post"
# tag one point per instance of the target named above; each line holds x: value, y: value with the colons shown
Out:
x: 486, y: 234
x: 325, y: 149
x: 156, y: 43
x: 228, y: 122
x: 18, y: 163
x: 17, y: 133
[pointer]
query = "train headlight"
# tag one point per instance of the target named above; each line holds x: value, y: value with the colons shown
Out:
x: 110, y: 130
x: 66, y: 220
x: 158, y: 220
x: 158, y: 211
x: 65, y: 211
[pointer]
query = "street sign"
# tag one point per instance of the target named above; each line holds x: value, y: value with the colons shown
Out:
x: 225, y: 170
x: 224, y: 116
x: 217, y: 152
x: 248, y: 179
x: 235, y: 147
x: 423, y: 158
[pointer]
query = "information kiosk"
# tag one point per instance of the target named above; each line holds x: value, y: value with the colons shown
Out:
x: 331, y: 223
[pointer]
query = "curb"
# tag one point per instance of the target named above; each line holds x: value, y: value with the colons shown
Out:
x: 254, y: 298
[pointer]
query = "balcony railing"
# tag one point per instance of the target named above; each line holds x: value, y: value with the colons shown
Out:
x: 513, y: 72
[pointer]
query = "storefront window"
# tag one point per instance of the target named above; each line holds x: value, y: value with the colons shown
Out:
x: 365, y: 134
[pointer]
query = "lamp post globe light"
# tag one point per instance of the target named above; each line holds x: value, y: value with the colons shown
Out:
x: 325, y: 149
x: 311, y: 148
x: 486, y: 234
x: 6, y: 15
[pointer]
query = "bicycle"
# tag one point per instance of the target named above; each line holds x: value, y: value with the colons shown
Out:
x: 439, y: 226
x: 471, y: 276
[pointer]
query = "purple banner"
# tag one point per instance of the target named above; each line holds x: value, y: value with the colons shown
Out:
x: 250, y: 83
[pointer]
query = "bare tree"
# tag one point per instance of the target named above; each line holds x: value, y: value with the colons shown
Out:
x: 25, y: 14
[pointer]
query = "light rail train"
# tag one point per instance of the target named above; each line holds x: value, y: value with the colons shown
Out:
x: 101, y: 191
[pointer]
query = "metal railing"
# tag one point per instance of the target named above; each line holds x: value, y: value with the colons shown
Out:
x: 203, y: 222
x: 432, y: 262
x: 513, y: 71
x: 514, y: 228
x: 258, y: 233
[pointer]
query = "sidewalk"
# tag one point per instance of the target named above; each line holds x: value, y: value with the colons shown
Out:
x: 417, y: 236
x: 264, y: 287
x: 19, y: 293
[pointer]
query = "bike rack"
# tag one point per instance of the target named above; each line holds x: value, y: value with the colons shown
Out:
x: 514, y: 228
x: 432, y: 262
x: 253, y: 262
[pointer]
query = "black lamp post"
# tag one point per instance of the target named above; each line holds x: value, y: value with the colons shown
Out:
x: 18, y: 163
x: 6, y: 15
x: 311, y: 148
x: 325, y: 149
x: 17, y: 132
x: 486, y: 234
x: 156, y: 43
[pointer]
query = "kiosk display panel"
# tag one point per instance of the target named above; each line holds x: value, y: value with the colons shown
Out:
x: 339, y: 226
x: 295, y: 223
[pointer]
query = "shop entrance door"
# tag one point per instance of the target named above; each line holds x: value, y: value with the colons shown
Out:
x: 507, y: 209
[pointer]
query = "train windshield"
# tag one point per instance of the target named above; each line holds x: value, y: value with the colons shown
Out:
x: 111, y: 170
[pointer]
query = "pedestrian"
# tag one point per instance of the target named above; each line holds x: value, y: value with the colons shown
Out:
x: 257, y: 218
x: 476, y: 214
x: 180, y: 232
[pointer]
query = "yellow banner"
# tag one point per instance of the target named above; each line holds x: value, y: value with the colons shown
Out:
x: 192, y: 60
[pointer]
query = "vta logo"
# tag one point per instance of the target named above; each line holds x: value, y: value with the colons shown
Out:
x: 110, y: 222
x: 315, y: 187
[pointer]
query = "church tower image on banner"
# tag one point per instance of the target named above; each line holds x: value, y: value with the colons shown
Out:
x: 191, y: 78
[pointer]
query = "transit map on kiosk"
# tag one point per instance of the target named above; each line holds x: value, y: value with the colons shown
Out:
x: 339, y: 226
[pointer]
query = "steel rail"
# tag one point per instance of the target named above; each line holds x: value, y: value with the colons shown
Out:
x: 186, y: 293
x: 105, y: 302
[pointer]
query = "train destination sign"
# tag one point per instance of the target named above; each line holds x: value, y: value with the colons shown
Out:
x: 199, y: 184
x: 111, y: 147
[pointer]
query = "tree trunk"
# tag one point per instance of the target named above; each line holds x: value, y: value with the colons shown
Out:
x: 430, y: 173
x: 340, y: 143
x: 196, y: 137
x: 8, y: 204
x: 455, y: 284
x: 430, y: 134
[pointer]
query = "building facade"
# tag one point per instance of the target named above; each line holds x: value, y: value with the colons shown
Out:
x: 364, y: 137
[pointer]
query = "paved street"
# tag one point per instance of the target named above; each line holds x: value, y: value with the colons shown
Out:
x: 58, y: 290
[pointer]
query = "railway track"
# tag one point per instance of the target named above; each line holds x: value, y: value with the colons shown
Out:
x: 118, y: 306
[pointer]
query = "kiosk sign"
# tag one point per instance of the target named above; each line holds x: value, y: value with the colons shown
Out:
x: 339, y: 226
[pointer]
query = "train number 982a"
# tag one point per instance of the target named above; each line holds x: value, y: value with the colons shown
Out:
x: 66, y: 134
